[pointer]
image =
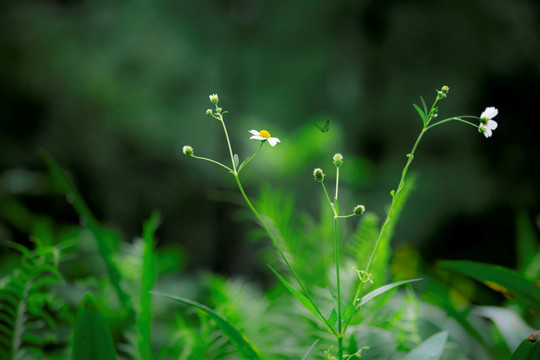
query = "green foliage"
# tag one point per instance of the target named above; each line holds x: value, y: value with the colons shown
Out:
x: 529, y: 349
x: 92, y: 338
x: 246, y: 349
x: 430, y: 349
x: 148, y: 278
x: 510, y: 283
x: 22, y: 301
x: 107, y: 240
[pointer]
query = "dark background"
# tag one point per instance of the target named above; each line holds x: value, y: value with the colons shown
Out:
x: 114, y: 89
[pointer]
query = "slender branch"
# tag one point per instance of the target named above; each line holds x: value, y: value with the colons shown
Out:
x: 212, y: 161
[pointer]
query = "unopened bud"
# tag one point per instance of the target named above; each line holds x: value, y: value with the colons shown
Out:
x: 208, y: 112
x: 187, y: 150
x: 318, y: 175
x: 359, y: 209
x: 338, y: 159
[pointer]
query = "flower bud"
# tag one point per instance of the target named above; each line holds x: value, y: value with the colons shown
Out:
x: 359, y: 209
x: 187, y: 150
x: 214, y: 98
x: 338, y: 159
x: 445, y: 89
x: 208, y: 112
x: 218, y: 110
x: 318, y: 175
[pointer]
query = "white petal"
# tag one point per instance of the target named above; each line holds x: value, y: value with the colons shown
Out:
x: 489, y: 113
x: 273, y: 141
x: 257, y: 137
x: 487, y: 132
x: 491, y: 125
x: 254, y: 132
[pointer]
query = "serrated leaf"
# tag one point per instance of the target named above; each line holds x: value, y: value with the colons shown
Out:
x: 501, y: 279
x: 430, y: 349
x: 382, y: 290
x: 242, y: 343
x: 92, y: 338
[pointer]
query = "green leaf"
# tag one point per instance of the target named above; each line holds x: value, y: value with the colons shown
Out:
x: 92, y: 338
x: 236, y: 161
x: 421, y: 113
x: 382, y: 290
x: 332, y: 319
x: 510, y: 325
x: 424, y: 105
x: 430, y: 349
x: 302, y: 298
x: 245, y: 347
x: 349, y: 312
x: 148, y: 279
x: 527, y: 350
x: 501, y: 279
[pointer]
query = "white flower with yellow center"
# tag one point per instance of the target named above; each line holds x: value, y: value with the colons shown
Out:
x: 264, y: 135
x: 486, y: 124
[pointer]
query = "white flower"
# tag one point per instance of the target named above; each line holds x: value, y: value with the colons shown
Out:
x: 487, y: 125
x: 213, y: 98
x: 264, y: 135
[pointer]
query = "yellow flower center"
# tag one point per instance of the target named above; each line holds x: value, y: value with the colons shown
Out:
x: 264, y: 134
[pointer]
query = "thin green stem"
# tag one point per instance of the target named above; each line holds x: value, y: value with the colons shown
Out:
x: 220, y: 118
x: 282, y: 254
x: 336, y: 195
x: 456, y: 118
x: 328, y: 198
x: 249, y: 159
x: 212, y: 161
x: 345, y: 216
x: 339, y: 321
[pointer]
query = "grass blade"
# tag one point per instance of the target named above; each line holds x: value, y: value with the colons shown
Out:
x: 244, y: 346
x: 148, y: 279
x: 382, y: 290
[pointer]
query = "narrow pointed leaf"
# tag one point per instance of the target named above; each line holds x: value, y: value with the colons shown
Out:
x: 420, y: 112
x: 382, y: 290
x: 509, y: 282
x: 310, y: 349
x: 349, y: 312
x: 246, y: 349
x: 430, y: 349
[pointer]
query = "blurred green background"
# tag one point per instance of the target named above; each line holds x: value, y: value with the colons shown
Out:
x: 114, y: 89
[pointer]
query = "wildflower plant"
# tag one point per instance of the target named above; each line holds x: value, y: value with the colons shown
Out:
x: 343, y: 312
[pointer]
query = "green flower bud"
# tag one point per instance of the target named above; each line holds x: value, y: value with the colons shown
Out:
x: 338, y: 159
x: 218, y: 110
x: 187, y: 150
x: 318, y: 175
x: 445, y: 89
x: 208, y: 112
x: 359, y: 209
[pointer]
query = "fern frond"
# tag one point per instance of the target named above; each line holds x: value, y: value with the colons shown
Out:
x: 19, y: 300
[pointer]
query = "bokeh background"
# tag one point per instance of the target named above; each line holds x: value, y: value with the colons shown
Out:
x: 114, y: 89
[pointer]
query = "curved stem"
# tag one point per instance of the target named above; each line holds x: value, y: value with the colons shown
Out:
x: 457, y: 118
x: 212, y: 161
x: 328, y: 198
x: 249, y: 159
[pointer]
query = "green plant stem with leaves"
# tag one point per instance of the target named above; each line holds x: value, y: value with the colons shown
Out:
x: 235, y: 171
x: 427, y: 117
